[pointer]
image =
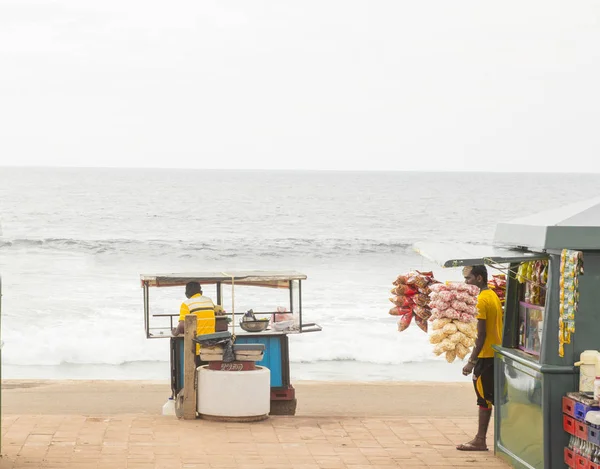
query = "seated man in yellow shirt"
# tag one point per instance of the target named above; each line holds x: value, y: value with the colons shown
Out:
x: 201, y: 306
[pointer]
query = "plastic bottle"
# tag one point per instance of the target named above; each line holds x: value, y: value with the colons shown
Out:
x: 169, y: 407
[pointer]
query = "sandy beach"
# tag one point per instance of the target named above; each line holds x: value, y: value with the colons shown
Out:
x: 315, y: 398
x: 117, y: 424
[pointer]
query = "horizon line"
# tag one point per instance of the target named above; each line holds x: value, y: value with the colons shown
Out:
x: 301, y: 170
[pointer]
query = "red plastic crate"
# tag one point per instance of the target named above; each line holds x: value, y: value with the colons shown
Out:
x: 569, y: 458
x: 581, y: 430
x: 568, y: 406
x: 581, y: 462
x: 593, y: 465
x: 569, y: 424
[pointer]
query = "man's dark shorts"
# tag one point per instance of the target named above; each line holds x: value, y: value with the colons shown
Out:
x: 483, y: 380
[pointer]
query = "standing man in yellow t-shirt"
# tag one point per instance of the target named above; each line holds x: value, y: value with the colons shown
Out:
x: 481, y: 361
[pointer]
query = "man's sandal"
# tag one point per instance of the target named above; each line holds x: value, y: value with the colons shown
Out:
x: 470, y: 446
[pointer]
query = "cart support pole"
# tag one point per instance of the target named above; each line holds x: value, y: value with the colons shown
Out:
x: 189, y: 370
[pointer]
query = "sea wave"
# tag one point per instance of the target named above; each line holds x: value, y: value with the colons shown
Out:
x: 105, y: 343
x: 263, y: 247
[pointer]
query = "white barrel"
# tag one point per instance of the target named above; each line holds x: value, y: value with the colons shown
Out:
x: 231, y: 394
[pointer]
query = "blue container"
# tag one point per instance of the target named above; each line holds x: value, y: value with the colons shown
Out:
x: 582, y: 409
x: 594, y: 434
x: 275, y: 357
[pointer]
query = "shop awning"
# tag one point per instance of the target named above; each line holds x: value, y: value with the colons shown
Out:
x: 575, y: 226
x: 458, y: 255
x: 259, y: 278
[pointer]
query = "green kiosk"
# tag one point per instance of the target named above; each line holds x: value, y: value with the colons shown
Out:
x: 531, y: 376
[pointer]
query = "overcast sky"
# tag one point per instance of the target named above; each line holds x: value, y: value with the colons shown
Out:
x: 311, y: 84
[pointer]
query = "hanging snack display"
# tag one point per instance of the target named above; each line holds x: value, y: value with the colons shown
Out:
x: 498, y: 285
x: 571, y: 267
x: 411, y: 298
x: 534, y: 274
x: 453, y: 307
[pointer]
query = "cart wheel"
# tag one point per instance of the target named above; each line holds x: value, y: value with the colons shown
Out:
x: 283, y: 407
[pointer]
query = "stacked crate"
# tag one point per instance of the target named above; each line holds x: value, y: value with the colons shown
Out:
x: 575, y: 407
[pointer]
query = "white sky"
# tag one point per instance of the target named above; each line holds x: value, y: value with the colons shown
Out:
x: 311, y: 84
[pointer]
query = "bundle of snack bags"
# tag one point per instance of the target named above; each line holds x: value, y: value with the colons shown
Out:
x: 411, y: 299
x: 498, y: 285
x: 453, y: 307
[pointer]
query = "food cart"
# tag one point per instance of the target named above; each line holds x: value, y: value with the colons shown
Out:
x: 276, y: 355
x: 530, y: 375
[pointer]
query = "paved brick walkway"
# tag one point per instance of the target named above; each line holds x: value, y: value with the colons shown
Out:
x: 156, y: 442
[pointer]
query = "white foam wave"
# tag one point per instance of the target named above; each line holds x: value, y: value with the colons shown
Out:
x: 102, y: 344
x: 212, y: 248
x: 379, y: 343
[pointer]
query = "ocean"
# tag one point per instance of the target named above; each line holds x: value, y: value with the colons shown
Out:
x: 74, y: 242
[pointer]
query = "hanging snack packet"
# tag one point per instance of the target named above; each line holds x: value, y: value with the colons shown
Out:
x: 422, y: 312
x: 461, y: 351
x: 421, y: 281
x: 404, y: 322
x: 401, y: 280
x: 422, y: 323
x: 440, y: 323
x: 437, y: 336
x: 450, y: 328
x: 405, y: 290
x: 411, y: 278
x: 402, y: 301
x: 457, y: 337
x: 400, y: 311
x: 421, y: 299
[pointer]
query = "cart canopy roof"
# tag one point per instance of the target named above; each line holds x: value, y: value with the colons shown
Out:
x: 574, y: 226
x: 260, y: 278
x: 458, y: 255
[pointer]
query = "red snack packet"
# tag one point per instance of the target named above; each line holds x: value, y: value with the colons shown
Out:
x: 401, y: 280
x: 421, y: 299
x: 422, y: 312
x: 426, y: 274
x: 411, y: 278
x: 400, y: 311
x: 422, y: 279
x: 422, y: 323
x: 404, y: 322
x: 405, y: 290
x: 403, y: 301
